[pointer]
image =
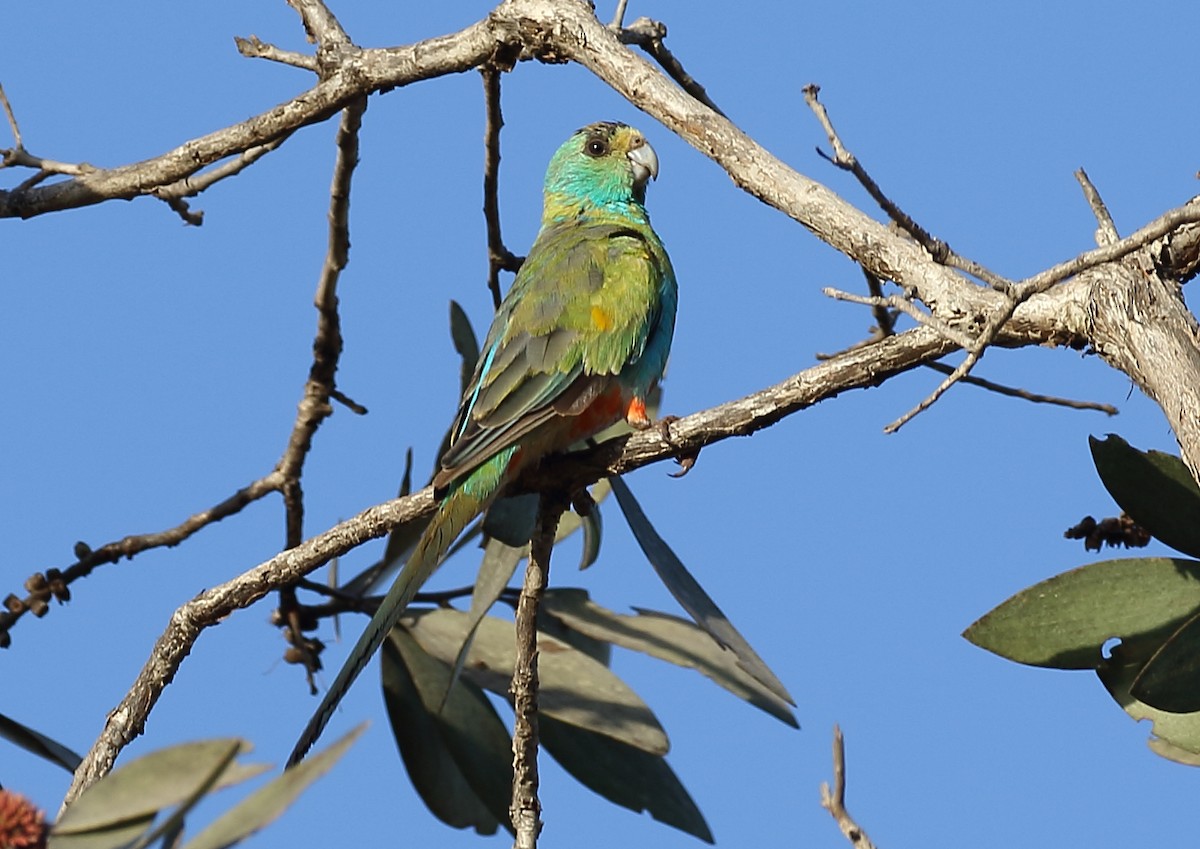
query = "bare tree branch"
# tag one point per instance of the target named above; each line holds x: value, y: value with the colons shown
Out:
x: 526, y: 810
x: 834, y: 800
x: 500, y: 258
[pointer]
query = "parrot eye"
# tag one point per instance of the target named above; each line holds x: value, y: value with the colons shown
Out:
x: 595, y: 147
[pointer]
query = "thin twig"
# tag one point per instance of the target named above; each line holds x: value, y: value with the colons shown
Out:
x: 500, y: 258
x: 884, y: 310
x: 254, y: 48
x: 906, y: 306
x: 191, y: 186
x: 129, y: 546
x: 12, y: 120
x: 526, y: 808
x: 618, y: 20
x: 1106, y: 232
x: 315, y: 405
x: 648, y: 35
x: 320, y: 24
x: 939, y: 250
x: 835, y: 801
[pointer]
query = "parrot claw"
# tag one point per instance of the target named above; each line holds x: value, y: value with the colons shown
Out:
x: 685, y: 459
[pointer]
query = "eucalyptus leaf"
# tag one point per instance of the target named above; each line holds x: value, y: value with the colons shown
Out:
x: 118, y: 836
x: 690, y: 595
x: 499, y: 563
x: 266, y: 804
x: 510, y: 519
x: 1170, y: 680
x: 1176, y: 736
x: 38, y: 743
x: 1064, y: 622
x: 459, y: 761
x: 145, y: 786
x: 624, y: 775
x: 574, y: 687
x: 1155, y: 489
x: 668, y: 638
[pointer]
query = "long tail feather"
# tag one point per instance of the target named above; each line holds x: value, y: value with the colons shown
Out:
x: 464, y: 502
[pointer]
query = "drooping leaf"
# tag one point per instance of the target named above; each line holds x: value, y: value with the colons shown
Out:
x: 574, y: 687
x: 153, y: 782
x: 172, y: 824
x: 511, y: 519
x: 459, y: 760
x: 624, y: 775
x: 598, y: 650
x: 690, y: 595
x: 1155, y: 489
x: 1170, y: 680
x: 499, y: 563
x: 38, y: 743
x: 266, y: 804
x: 465, y: 343
x: 1176, y: 736
x: 1063, y: 622
x: 120, y: 836
x: 668, y: 638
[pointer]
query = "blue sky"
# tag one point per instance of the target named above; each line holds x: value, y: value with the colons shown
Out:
x: 155, y: 368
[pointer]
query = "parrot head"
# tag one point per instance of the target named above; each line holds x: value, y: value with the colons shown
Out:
x: 604, y: 164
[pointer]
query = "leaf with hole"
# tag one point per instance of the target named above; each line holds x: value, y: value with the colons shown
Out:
x: 1064, y: 622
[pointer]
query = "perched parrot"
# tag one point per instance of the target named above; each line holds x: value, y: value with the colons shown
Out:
x: 577, y: 345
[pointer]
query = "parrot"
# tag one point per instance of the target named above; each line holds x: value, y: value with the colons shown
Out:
x: 577, y: 344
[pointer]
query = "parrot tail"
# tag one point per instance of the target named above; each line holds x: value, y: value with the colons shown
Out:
x: 463, y: 503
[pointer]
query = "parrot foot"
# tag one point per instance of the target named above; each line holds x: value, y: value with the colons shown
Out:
x: 685, y: 459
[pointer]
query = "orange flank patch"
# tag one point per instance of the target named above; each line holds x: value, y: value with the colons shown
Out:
x: 636, y: 415
x: 599, y: 414
x: 601, y: 318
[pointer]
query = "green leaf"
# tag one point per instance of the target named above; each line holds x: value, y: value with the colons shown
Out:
x: 668, y: 638
x: 574, y: 687
x: 460, y: 761
x: 120, y: 836
x: 267, y: 803
x: 1155, y: 489
x: 1170, y: 681
x: 624, y: 775
x: 511, y: 519
x: 155, y: 781
x: 465, y: 343
x: 499, y: 563
x: 1176, y: 735
x: 38, y: 743
x: 690, y: 595
x: 1064, y: 622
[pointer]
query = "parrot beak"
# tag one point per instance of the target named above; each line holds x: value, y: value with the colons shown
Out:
x: 645, y: 163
